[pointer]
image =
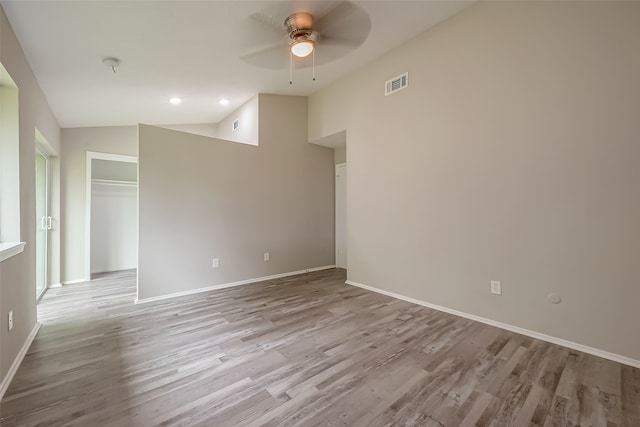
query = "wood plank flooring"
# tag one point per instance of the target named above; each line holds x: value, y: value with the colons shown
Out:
x: 299, y: 351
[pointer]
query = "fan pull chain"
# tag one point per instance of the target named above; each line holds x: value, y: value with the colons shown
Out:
x: 313, y: 66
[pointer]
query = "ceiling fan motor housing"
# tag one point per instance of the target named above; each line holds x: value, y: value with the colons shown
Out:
x: 299, y: 25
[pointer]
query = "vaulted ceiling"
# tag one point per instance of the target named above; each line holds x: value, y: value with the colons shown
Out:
x: 200, y: 51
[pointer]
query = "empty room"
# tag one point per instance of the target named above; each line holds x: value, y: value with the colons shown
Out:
x: 319, y: 213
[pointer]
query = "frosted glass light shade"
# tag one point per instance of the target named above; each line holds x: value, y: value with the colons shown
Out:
x: 302, y: 48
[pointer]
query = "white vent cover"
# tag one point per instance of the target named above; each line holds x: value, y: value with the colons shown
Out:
x: 396, y: 84
x: 236, y: 124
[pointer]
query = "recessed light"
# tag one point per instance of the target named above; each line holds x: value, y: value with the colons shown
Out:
x: 175, y: 100
x: 224, y: 101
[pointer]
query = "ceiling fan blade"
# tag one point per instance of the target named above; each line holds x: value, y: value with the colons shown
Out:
x: 346, y: 25
x: 273, y: 48
x: 326, y: 54
x: 269, y: 22
x: 343, y: 13
x: 338, y: 42
x: 329, y: 11
x: 274, y: 57
x: 260, y: 29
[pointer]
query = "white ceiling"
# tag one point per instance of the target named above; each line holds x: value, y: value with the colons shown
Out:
x: 190, y: 49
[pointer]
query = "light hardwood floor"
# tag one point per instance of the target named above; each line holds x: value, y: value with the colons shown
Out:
x: 305, y: 350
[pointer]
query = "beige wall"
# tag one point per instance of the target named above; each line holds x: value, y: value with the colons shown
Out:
x: 325, y: 121
x: 204, y: 129
x: 247, y: 115
x: 75, y: 144
x: 17, y: 274
x: 247, y: 133
x: 512, y: 156
x: 234, y: 202
x: 340, y: 155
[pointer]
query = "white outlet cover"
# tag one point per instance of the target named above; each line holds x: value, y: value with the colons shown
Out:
x: 266, y: 256
x: 496, y: 287
x: 215, y: 263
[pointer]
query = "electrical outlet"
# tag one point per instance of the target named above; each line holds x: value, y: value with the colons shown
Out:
x: 496, y: 287
x: 10, y: 320
x: 266, y: 256
x: 215, y: 263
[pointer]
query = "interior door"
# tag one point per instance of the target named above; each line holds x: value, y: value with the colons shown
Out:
x: 43, y: 223
x: 341, y: 215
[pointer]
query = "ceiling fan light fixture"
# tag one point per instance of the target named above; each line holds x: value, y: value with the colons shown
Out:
x: 302, y: 47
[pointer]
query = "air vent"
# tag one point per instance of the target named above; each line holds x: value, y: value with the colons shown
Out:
x: 236, y: 124
x: 396, y: 84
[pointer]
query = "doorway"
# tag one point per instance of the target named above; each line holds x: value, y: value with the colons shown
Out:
x: 112, y: 214
x: 341, y: 215
x: 43, y: 223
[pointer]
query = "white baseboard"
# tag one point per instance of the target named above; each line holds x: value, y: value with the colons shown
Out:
x: 117, y: 270
x: 55, y: 285
x: 533, y: 334
x: 18, y: 360
x: 230, y: 285
x: 71, y: 282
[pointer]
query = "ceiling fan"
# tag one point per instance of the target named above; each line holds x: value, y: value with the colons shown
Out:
x: 299, y: 26
x: 330, y: 28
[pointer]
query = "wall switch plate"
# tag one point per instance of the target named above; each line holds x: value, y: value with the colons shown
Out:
x: 266, y: 256
x: 215, y: 263
x: 10, y: 320
x: 496, y: 287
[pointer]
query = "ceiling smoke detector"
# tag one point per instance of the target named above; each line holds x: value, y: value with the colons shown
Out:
x: 111, y: 62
